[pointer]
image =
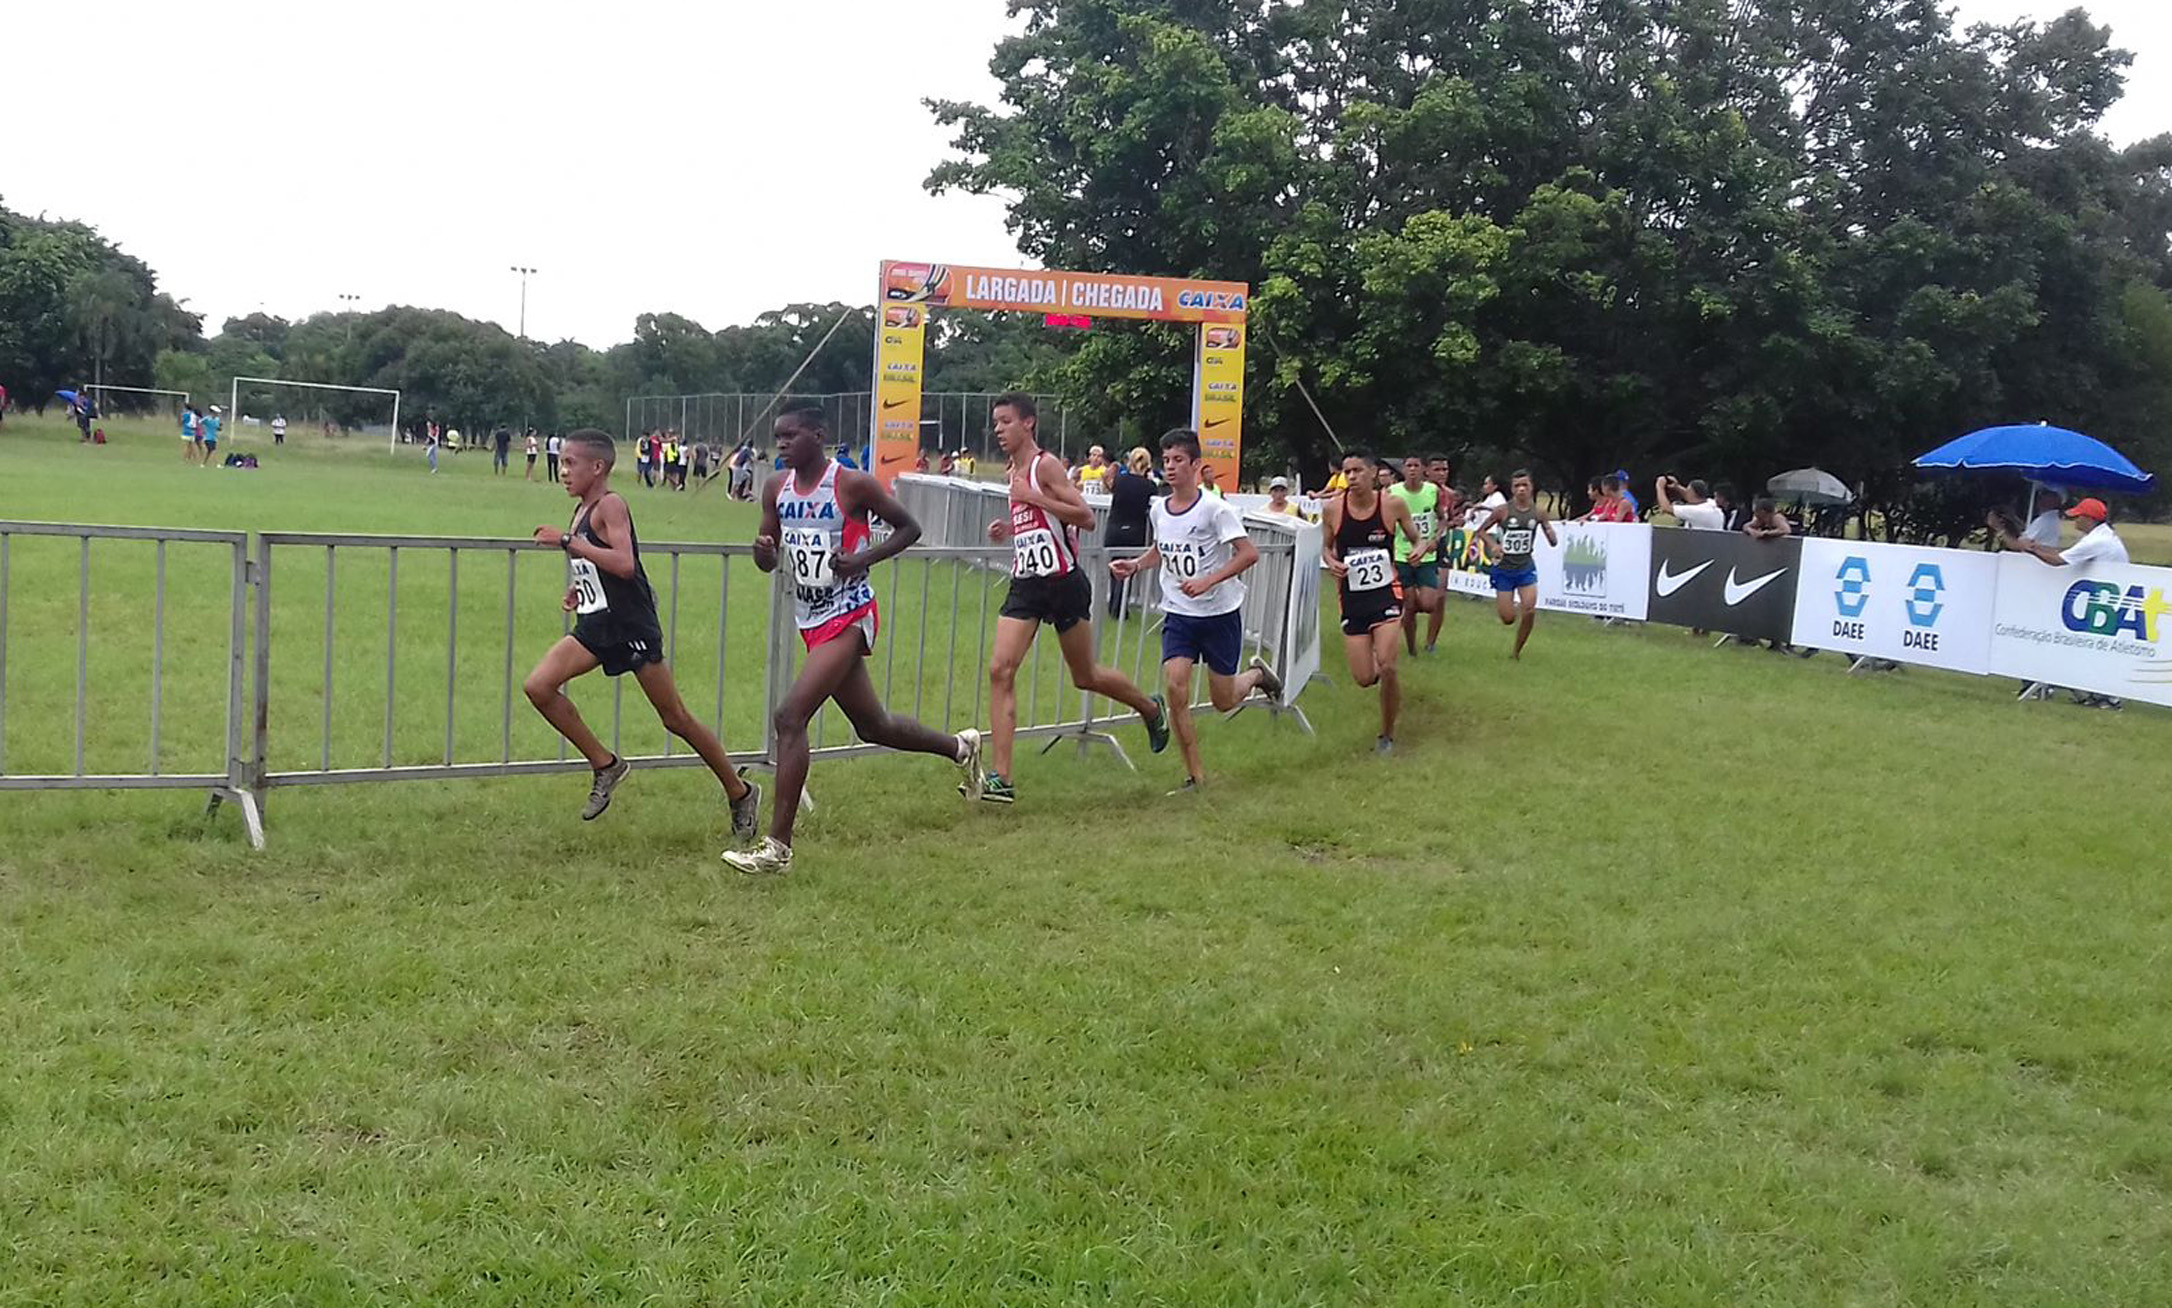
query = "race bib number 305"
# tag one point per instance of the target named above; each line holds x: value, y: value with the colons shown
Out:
x: 1369, y: 570
x: 588, y: 588
x: 1033, y: 554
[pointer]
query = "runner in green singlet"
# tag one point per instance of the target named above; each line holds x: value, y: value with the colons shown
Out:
x: 1415, y: 566
x: 1515, y: 573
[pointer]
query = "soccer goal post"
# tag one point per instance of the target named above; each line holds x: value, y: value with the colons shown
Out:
x: 233, y: 402
x: 135, y: 398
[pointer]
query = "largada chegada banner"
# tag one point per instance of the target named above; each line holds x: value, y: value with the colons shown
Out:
x: 1217, y: 308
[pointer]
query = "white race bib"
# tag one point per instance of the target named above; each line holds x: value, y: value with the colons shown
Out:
x: 1033, y: 554
x: 588, y: 588
x: 808, y: 552
x: 1422, y: 523
x: 1369, y: 569
x: 1181, y: 558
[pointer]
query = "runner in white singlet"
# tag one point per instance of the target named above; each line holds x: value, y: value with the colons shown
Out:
x: 815, y: 524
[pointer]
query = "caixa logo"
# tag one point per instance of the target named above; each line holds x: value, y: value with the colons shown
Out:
x: 2104, y: 608
x: 1210, y: 300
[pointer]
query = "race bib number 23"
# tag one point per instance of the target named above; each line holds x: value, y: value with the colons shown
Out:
x: 1369, y: 570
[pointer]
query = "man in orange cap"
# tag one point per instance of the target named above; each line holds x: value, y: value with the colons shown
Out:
x: 2099, y: 543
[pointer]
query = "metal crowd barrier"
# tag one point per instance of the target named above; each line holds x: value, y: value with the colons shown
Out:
x: 508, y: 605
x: 69, y: 725
x: 359, y: 657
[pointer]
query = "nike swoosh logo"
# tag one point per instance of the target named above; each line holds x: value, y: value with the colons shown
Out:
x: 1216, y: 422
x: 1670, y: 582
x: 1737, y: 592
x: 895, y: 458
x: 891, y: 404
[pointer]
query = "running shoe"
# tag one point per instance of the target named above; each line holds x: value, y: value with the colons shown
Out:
x: 1384, y: 745
x: 1268, y: 681
x: 1191, y: 786
x: 995, y: 790
x: 1157, y: 727
x: 770, y: 858
x: 599, y: 794
x: 745, y: 810
x: 969, y: 762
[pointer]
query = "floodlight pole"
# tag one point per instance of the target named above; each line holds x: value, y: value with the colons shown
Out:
x: 524, y: 272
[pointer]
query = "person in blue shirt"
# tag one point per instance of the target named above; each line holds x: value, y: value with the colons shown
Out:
x: 844, y: 458
x: 191, y: 433
x: 1635, y: 508
x: 209, y: 425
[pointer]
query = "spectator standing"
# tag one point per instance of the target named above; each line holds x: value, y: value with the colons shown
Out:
x: 279, y: 429
x: 1131, y: 504
x: 1278, y: 499
x: 529, y: 443
x: 1690, y: 505
x: 1207, y: 481
x: 1636, y: 510
x: 501, y: 451
x: 192, y: 433
x: 2043, y: 528
x: 430, y: 449
x: 550, y: 454
x: 208, y: 428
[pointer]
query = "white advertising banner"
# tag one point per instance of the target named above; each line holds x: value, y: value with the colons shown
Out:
x: 2100, y: 627
x: 1600, y: 568
x: 1907, y: 603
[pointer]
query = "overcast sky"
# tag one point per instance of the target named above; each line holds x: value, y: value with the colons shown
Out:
x: 712, y: 159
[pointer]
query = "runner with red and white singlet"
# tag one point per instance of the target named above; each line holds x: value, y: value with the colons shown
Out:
x: 1047, y: 585
x: 1041, y: 546
x: 815, y: 523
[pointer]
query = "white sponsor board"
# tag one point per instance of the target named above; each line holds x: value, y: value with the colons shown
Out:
x: 1907, y: 603
x: 2102, y: 628
x: 1301, y: 623
x: 1602, y: 569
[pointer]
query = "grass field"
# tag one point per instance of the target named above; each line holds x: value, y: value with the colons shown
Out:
x: 1646, y: 973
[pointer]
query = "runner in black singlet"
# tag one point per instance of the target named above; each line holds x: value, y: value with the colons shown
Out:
x: 1361, y: 527
x: 1515, y: 573
x: 615, y: 628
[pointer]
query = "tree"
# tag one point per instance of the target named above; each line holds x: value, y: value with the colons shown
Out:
x: 1714, y: 236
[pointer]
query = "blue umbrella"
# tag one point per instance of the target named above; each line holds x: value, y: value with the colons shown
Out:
x: 69, y: 396
x: 2041, y: 453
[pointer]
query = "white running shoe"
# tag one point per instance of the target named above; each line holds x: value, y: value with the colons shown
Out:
x: 770, y: 858
x: 969, y: 761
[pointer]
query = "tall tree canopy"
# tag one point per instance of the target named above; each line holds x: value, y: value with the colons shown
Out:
x: 1728, y: 236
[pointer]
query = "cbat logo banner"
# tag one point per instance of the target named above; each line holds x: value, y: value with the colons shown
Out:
x: 2102, y: 628
x: 1907, y: 603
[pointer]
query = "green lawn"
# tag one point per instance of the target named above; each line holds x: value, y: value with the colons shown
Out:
x: 1645, y: 974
